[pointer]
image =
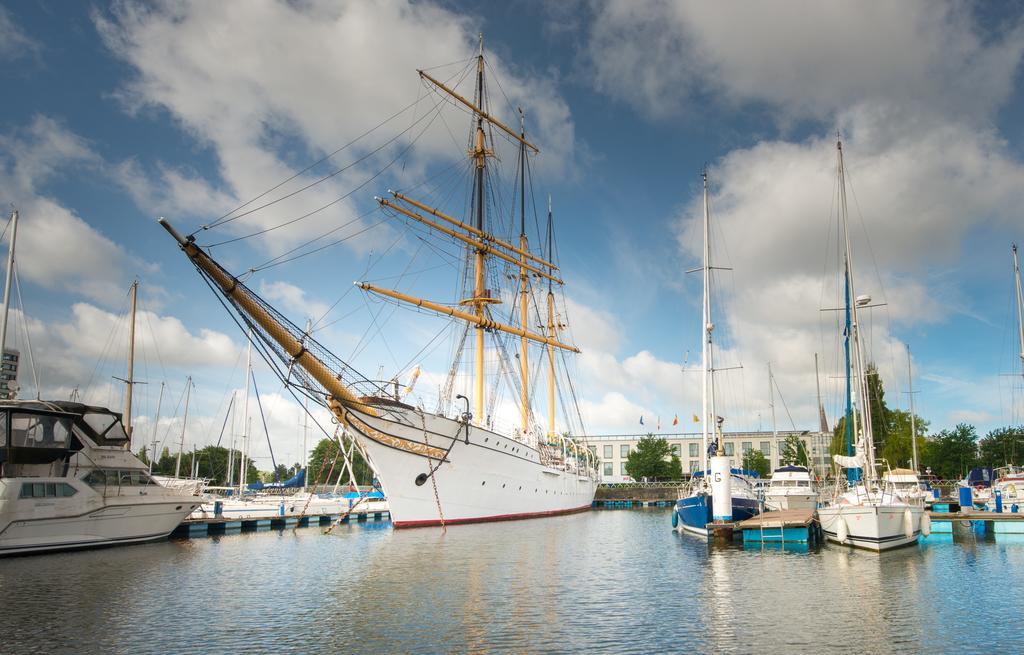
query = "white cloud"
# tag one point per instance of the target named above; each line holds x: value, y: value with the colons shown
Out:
x: 15, y: 44
x: 57, y: 248
x: 293, y: 299
x: 802, y: 59
x: 269, y: 86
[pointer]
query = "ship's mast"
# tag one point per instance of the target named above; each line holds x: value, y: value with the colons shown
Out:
x: 479, y: 264
x: 7, y: 289
x: 705, y: 357
x: 524, y: 296
x: 913, y: 419
x: 156, y: 426
x: 551, y: 330
x: 184, y: 422
x: 246, y: 424
x: 130, y: 377
x: 1020, y: 307
x: 771, y: 402
x: 866, y: 434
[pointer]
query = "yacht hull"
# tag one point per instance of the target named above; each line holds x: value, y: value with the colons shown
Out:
x: 872, y: 527
x: 107, y: 525
x: 435, y: 470
x: 695, y: 512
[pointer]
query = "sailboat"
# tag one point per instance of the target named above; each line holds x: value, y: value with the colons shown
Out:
x: 694, y: 509
x: 866, y: 512
x: 435, y: 468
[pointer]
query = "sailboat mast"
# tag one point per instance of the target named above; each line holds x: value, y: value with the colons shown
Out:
x: 853, y: 329
x: 1020, y: 307
x: 913, y: 419
x: 480, y: 289
x: 706, y: 337
x: 771, y: 397
x: 184, y: 421
x: 7, y: 288
x: 245, y: 415
x: 524, y: 297
x: 156, y: 426
x: 305, y: 421
x: 129, y: 378
x: 551, y: 329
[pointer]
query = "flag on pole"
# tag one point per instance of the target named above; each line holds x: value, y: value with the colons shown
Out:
x: 659, y: 424
x: 675, y: 421
x: 695, y: 419
x: 641, y: 419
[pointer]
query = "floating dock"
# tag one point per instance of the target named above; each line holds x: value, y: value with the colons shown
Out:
x: 791, y: 526
x: 203, y: 527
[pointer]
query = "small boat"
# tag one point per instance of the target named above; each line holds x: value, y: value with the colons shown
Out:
x: 908, y: 485
x: 791, y: 487
x: 695, y: 508
x: 1008, y: 487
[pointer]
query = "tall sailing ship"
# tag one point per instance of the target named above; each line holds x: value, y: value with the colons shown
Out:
x: 450, y: 466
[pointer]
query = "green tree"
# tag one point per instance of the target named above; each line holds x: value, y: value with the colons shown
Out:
x: 794, y: 451
x: 652, y: 459
x: 326, y: 454
x: 950, y: 454
x: 897, y: 449
x: 1002, y: 446
x: 212, y: 464
x: 754, y: 460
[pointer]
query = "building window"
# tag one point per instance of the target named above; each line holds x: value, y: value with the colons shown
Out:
x: 608, y: 469
x: 729, y: 450
x: 747, y: 446
x: 593, y: 450
x: 607, y: 452
x: 766, y: 448
x: 694, y: 452
x: 694, y: 465
x: 624, y: 450
x: 622, y: 469
x: 677, y: 450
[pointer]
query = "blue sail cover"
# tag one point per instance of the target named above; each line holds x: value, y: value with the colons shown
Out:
x: 294, y: 482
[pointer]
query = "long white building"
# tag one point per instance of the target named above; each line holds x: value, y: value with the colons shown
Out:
x: 613, y: 449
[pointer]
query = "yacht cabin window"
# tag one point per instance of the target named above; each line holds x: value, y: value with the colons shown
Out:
x: 40, y: 431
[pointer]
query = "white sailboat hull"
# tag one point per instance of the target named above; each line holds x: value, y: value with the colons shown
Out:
x: 872, y: 527
x: 490, y: 478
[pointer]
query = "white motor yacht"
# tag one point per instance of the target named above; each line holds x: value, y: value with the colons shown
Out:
x: 68, y: 481
x: 791, y: 487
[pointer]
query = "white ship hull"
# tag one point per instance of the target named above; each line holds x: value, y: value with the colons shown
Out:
x: 490, y: 478
x: 872, y: 527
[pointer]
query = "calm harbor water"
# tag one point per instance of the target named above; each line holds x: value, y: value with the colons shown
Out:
x: 615, y: 581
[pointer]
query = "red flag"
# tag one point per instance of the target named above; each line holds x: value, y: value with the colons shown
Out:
x: 675, y: 421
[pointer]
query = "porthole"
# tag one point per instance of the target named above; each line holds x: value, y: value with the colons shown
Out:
x: 177, y: 508
x: 483, y: 483
x: 503, y: 486
x: 486, y: 439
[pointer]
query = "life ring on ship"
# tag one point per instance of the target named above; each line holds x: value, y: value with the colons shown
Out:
x: 675, y: 519
x: 1010, y: 489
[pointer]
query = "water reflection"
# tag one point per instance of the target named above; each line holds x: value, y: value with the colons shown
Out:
x: 601, y: 581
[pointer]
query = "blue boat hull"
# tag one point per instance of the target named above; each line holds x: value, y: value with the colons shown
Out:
x: 695, y: 512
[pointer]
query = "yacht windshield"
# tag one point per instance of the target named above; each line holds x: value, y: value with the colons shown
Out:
x: 40, y: 431
x: 107, y: 426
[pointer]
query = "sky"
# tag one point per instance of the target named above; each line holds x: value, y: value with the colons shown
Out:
x: 118, y: 113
